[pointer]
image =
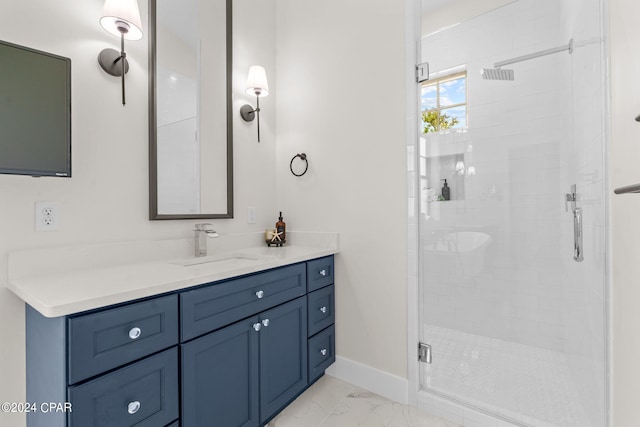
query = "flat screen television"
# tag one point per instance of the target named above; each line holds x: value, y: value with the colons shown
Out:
x: 35, y: 112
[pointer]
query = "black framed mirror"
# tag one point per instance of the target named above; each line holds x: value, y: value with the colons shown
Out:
x: 190, y: 109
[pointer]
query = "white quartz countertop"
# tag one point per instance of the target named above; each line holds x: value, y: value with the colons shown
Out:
x: 102, y: 275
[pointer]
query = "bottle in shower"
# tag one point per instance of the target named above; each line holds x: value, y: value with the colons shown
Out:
x: 446, y: 191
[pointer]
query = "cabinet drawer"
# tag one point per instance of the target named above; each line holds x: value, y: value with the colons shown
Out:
x: 105, y: 340
x: 206, y: 309
x: 320, y: 309
x: 321, y: 352
x: 143, y: 394
x: 320, y: 273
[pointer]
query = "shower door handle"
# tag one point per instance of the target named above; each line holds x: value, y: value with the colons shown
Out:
x: 577, y: 235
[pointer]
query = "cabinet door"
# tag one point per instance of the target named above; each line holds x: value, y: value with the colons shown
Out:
x: 283, y: 355
x: 220, y: 378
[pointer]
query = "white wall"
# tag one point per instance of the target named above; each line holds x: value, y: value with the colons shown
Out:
x: 341, y: 78
x: 455, y: 12
x: 624, y: 26
x: 107, y: 198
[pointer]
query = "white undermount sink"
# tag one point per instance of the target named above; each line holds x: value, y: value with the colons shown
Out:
x: 231, y: 257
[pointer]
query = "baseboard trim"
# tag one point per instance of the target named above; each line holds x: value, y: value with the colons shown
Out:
x: 374, y: 380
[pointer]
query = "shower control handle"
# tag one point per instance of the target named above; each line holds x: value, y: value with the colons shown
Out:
x: 577, y: 235
x: 577, y: 223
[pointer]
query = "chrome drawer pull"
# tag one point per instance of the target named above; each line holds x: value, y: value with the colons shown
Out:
x: 323, y: 309
x: 323, y: 352
x: 134, y: 333
x: 133, y: 407
x: 257, y: 326
x: 260, y: 294
x: 265, y: 322
x: 323, y: 272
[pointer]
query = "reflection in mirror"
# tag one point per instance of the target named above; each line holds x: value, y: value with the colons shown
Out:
x: 191, y: 138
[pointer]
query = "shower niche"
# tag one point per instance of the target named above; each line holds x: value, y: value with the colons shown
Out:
x: 445, y: 155
x: 450, y: 167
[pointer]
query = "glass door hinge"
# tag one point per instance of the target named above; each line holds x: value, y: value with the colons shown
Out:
x: 424, y: 352
x: 422, y: 72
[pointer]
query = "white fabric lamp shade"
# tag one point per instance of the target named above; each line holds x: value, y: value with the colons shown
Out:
x: 124, y: 11
x: 257, y: 81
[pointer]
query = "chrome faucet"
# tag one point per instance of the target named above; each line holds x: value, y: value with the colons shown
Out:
x: 202, y: 232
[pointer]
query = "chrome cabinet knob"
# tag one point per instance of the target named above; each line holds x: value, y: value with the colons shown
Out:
x: 323, y: 309
x: 265, y: 322
x: 260, y: 294
x: 323, y: 272
x: 133, y: 407
x: 323, y: 352
x: 134, y: 333
x: 257, y: 326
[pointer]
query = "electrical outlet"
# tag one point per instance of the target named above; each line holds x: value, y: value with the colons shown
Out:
x: 48, y: 216
x: 251, y: 215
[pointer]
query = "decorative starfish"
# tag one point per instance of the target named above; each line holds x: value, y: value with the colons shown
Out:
x: 276, y: 236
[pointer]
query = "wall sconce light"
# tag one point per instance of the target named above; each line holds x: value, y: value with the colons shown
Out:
x: 122, y: 19
x: 256, y: 85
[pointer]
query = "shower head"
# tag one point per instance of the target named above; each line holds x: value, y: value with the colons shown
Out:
x: 496, y: 74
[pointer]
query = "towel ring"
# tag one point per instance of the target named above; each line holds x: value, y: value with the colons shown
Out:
x: 303, y: 157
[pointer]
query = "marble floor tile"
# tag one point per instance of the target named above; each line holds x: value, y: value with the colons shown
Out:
x: 334, y: 403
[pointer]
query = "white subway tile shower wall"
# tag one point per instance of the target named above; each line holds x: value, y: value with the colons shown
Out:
x: 530, y: 140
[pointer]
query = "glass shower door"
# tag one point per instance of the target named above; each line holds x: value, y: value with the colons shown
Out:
x: 515, y: 319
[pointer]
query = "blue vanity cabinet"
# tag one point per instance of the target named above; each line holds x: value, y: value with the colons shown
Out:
x: 229, y: 353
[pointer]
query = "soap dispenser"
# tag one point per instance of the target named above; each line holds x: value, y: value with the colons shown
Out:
x: 281, y: 230
x: 446, y: 191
